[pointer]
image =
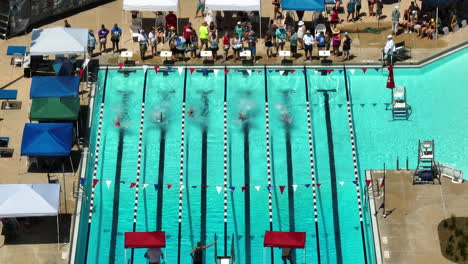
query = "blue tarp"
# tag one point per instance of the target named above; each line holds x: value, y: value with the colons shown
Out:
x: 304, y: 5
x: 47, y: 139
x: 54, y: 86
x: 8, y: 94
x: 439, y: 3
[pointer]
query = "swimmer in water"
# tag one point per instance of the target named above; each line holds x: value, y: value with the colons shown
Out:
x: 242, y: 116
x: 284, y: 113
x: 191, y: 112
x: 117, y: 121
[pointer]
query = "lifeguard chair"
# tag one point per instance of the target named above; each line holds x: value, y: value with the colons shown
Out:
x: 400, y: 108
x: 426, y: 172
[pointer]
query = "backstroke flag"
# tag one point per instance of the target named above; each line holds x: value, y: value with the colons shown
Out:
x: 391, y: 80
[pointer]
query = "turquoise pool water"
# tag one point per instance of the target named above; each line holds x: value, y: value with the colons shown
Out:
x: 438, y: 111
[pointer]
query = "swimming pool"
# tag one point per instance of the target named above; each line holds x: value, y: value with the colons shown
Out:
x: 340, y: 234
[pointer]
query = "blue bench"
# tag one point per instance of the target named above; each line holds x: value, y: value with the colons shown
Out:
x: 8, y: 94
x: 16, y: 50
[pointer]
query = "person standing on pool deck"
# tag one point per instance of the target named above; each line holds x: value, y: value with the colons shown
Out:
x: 197, y: 253
x: 102, y: 34
x: 115, y: 38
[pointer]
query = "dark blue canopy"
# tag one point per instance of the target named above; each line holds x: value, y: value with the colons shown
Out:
x: 47, y: 139
x: 439, y: 3
x: 304, y: 5
x: 54, y: 86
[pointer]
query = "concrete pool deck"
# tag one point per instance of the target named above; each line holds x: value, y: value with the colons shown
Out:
x: 409, y: 233
x: 366, y: 49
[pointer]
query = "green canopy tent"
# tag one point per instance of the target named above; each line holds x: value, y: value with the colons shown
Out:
x: 55, y: 109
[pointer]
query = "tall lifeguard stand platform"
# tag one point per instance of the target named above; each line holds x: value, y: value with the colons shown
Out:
x: 426, y: 172
x: 400, y: 108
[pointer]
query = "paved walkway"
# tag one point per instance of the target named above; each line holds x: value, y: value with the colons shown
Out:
x: 409, y: 234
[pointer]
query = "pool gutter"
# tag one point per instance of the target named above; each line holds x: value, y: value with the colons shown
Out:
x: 375, y: 225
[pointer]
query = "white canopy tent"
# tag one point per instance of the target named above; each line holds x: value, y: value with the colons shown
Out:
x: 60, y: 40
x: 229, y: 5
x: 151, y: 5
x: 30, y: 200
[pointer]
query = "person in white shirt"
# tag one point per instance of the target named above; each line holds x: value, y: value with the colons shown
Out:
x: 153, y: 42
x: 389, y: 48
x: 154, y: 255
x: 308, y: 44
x: 143, y: 41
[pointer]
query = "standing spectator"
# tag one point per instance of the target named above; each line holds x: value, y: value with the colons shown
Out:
x: 180, y: 46
x: 351, y: 9
x: 371, y: 7
x: 252, y: 39
x: 308, y: 43
x: 293, y: 42
x: 327, y: 40
x: 226, y: 45
x: 335, y: 19
x: 379, y: 4
x: 321, y: 45
x: 159, y: 19
x: 414, y: 7
x: 212, y: 29
x: 91, y: 43
x: 143, y: 41
x: 395, y: 20
x: 346, y: 46
x: 193, y: 43
x: 276, y: 4
x: 239, y: 29
x: 102, y: 34
x: 153, y: 41
x: 203, y: 34
x: 214, y: 46
x: 115, y: 38
x: 171, y: 20
x: 453, y: 22
x: 337, y: 4
x: 358, y: 9
x: 280, y: 38
x: 219, y: 19
x: 187, y: 32
x: 336, y: 41
x: 171, y: 35
x: 200, y: 8
x: 237, y: 46
x: 268, y: 44
x: 160, y: 34
x: 67, y: 25
x: 300, y: 34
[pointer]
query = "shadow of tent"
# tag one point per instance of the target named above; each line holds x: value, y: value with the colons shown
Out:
x: 39, y: 230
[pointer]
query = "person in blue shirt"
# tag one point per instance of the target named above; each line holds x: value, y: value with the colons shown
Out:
x: 115, y: 37
x: 320, y: 41
x: 102, y: 34
x: 280, y: 38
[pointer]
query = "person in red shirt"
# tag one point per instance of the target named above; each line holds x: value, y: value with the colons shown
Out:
x: 187, y: 32
x: 171, y: 20
x: 226, y: 45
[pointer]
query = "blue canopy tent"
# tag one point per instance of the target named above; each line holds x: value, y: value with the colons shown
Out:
x: 47, y: 140
x: 437, y: 4
x: 54, y: 86
x: 303, y: 5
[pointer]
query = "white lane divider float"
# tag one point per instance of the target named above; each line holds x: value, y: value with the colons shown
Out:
x: 140, y: 144
x: 267, y: 131
x: 225, y: 143
x: 96, y: 162
x: 182, y: 151
x: 311, y: 158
